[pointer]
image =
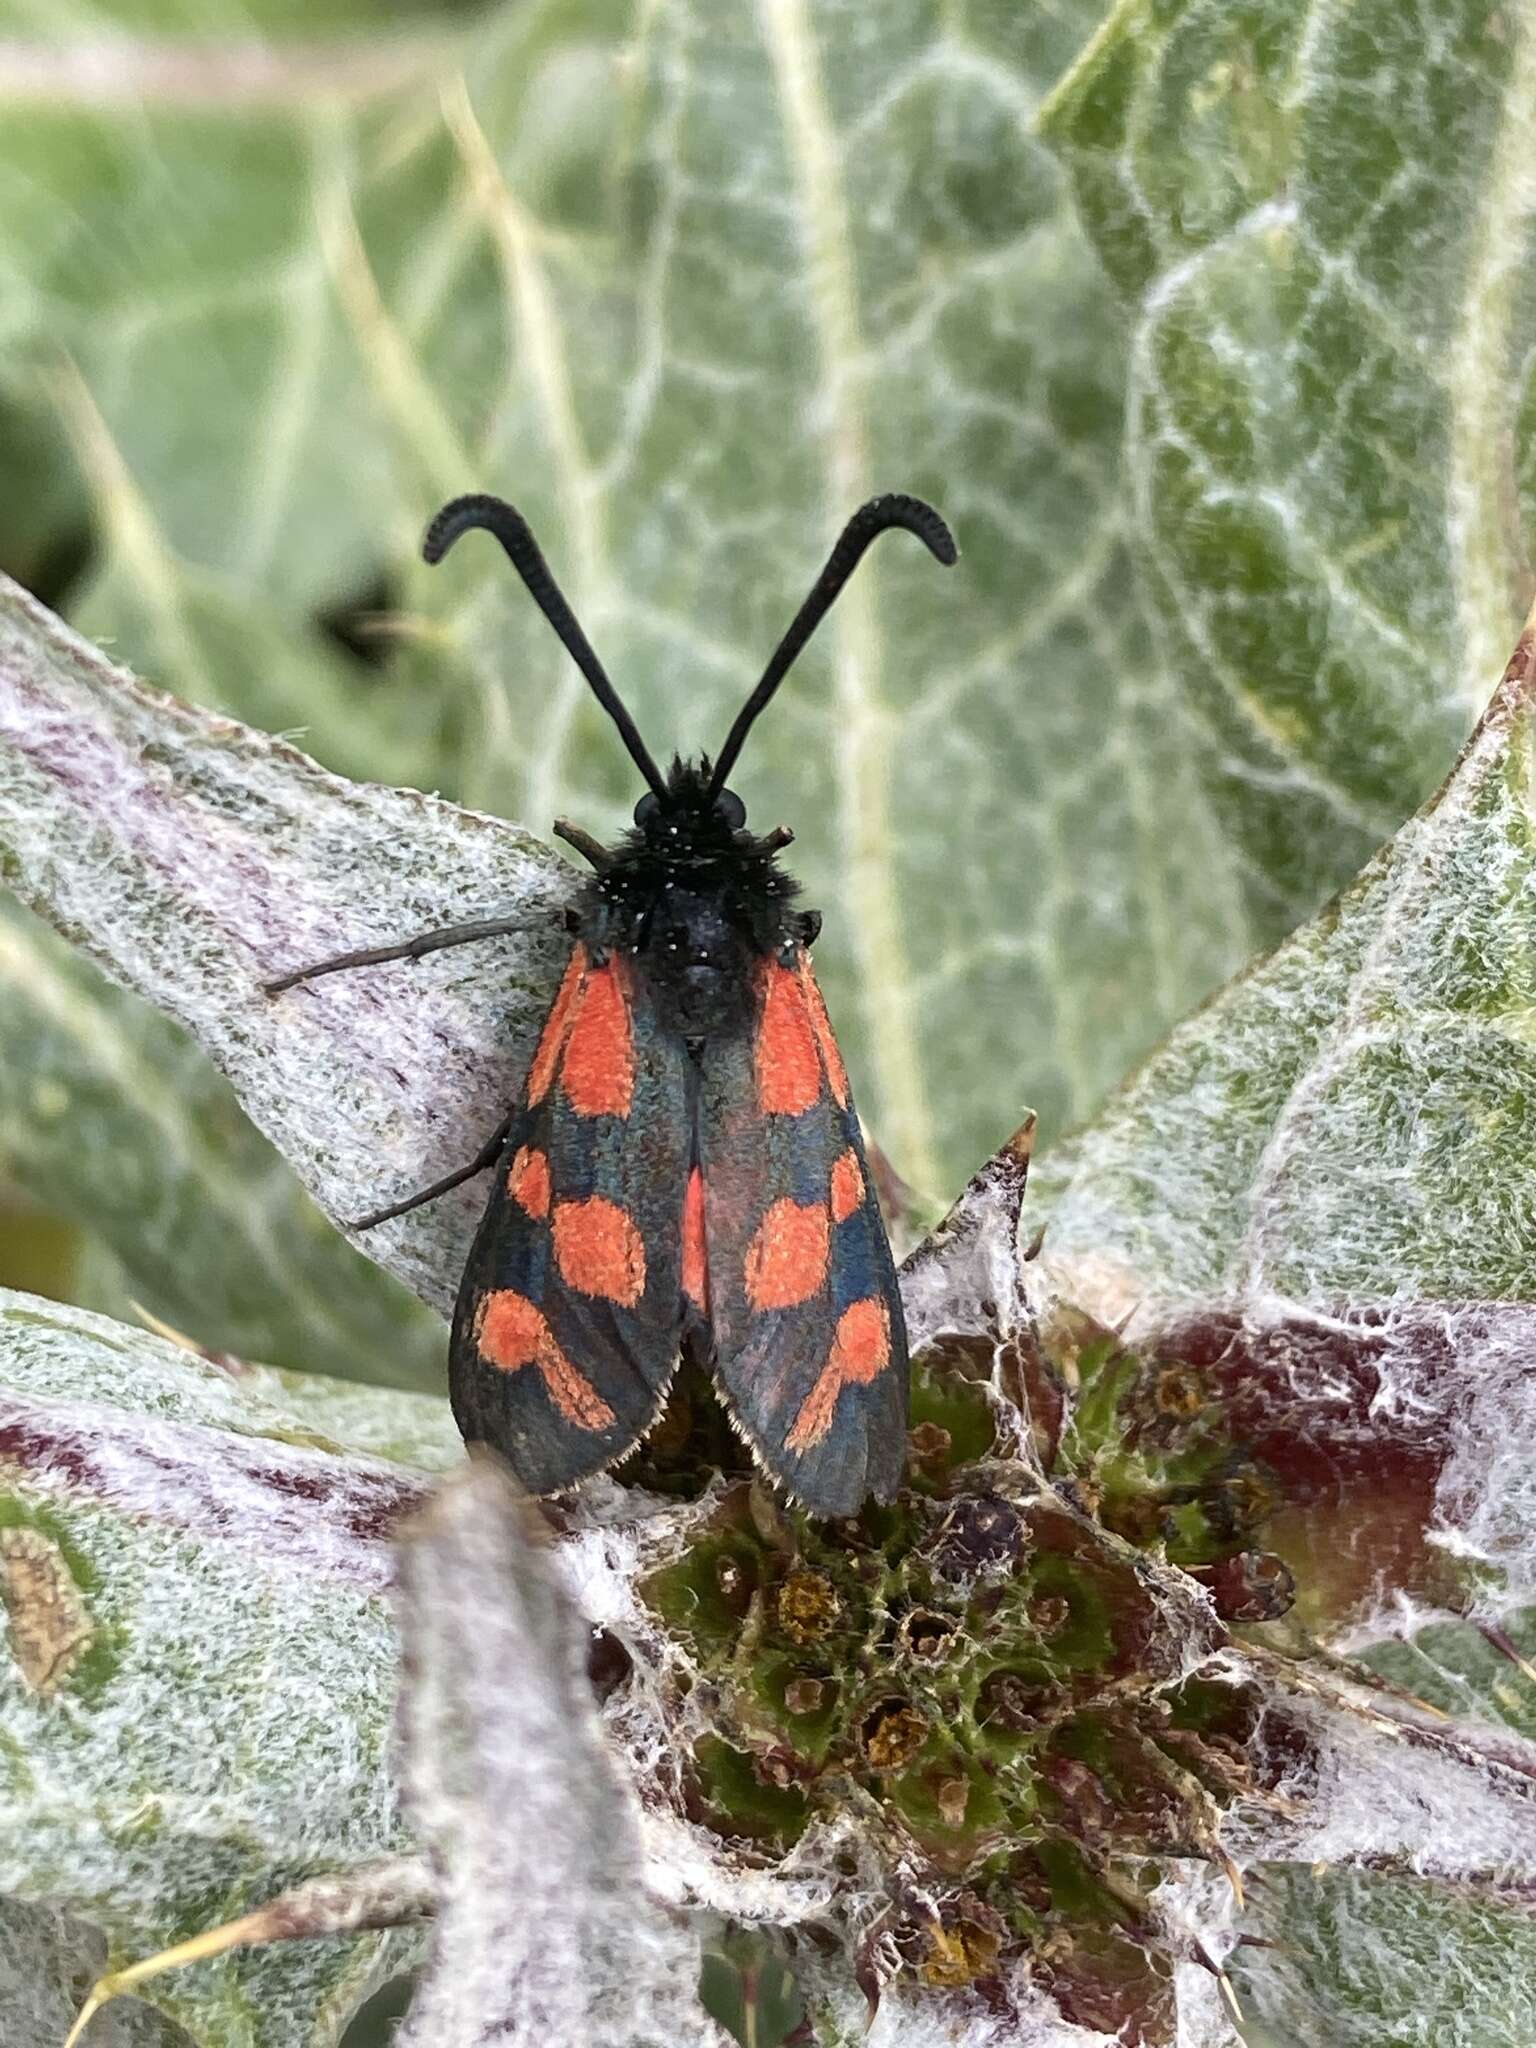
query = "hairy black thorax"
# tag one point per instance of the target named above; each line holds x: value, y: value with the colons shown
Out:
x: 696, y: 900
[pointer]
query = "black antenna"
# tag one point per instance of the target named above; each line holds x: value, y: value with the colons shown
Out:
x: 867, y: 524
x: 511, y: 529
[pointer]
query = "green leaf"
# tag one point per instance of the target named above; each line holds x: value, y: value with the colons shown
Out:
x: 1408, y: 1961
x: 110, y: 1114
x: 1321, y: 225
x: 196, y: 859
x: 1354, y: 1119
x: 197, y: 1658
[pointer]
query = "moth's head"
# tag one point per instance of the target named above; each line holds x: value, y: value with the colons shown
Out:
x: 690, y: 812
x: 694, y: 799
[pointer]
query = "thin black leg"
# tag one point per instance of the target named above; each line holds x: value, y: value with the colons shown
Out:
x: 488, y: 1154
x: 412, y: 949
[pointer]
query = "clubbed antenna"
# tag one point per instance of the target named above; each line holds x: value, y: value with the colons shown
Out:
x: 511, y: 529
x: 867, y: 524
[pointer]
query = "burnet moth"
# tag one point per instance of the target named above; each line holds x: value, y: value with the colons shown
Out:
x: 684, y: 1173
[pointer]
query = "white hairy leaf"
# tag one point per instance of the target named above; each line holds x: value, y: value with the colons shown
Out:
x: 112, y: 1115
x: 197, y: 1666
x: 195, y: 859
x: 1349, y: 1125
x: 47, y: 1962
x: 545, y: 1937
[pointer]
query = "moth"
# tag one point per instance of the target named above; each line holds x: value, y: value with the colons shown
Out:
x: 684, y: 1173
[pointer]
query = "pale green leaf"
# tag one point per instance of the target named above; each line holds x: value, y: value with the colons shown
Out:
x: 196, y: 859
x: 197, y: 1658
x: 1323, y: 1181
x: 1413, y: 1964
x: 112, y: 1115
x: 403, y: 1427
x: 1352, y: 1120
x: 1457, y: 1668
x: 1321, y: 222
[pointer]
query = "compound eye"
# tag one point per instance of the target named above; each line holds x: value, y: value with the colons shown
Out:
x: 647, y: 809
x: 731, y: 809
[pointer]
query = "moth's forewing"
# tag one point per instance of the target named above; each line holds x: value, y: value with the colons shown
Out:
x: 569, y: 1317
x: 810, y: 1350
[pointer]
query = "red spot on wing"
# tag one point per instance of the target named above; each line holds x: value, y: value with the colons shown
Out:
x: 598, y: 1071
x: 599, y: 1250
x: 695, y: 1258
x: 528, y: 1180
x: 787, y: 1259
x: 511, y: 1333
x: 821, y: 1024
x: 788, y: 1070
x: 557, y: 1027
x: 847, y: 1186
x: 861, y: 1350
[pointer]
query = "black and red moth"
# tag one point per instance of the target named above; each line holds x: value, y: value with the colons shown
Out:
x: 684, y: 1173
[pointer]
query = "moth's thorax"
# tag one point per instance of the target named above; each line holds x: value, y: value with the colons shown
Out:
x: 696, y: 904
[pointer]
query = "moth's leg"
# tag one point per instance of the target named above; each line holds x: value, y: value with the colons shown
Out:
x: 775, y: 934
x: 606, y: 929
x: 412, y: 949
x: 488, y: 1154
